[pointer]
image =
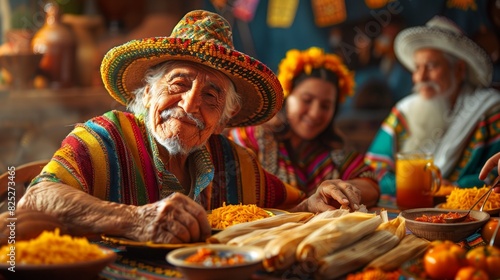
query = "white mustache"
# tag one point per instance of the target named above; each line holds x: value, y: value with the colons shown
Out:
x: 418, y: 86
x: 178, y: 113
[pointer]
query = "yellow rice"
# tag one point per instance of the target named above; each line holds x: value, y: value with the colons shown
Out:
x: 51, y: 248
x: 465, y: 198
x: 229, y: 215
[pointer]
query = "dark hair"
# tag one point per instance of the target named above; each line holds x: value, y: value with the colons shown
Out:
x: 280, y: 126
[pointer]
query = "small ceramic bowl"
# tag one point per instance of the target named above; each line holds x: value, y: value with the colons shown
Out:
x: 253, y: 257
x: 443, y: 231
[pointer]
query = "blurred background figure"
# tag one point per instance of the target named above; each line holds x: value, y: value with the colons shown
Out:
x: 452, y: 113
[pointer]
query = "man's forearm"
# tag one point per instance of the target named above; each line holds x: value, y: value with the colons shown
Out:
x: 79, y: 211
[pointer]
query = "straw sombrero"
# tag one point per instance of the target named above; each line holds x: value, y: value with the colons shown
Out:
x: 441, y: 33
x: 205, y: 38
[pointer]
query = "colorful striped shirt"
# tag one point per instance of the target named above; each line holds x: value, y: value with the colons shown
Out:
x: 115, y: 158
x: 316, y: 163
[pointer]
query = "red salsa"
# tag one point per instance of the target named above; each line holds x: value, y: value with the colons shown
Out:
x: 211, y: 258
x: 440, y: 218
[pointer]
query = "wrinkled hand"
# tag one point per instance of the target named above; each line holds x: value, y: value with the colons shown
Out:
x: 175, y: 219
x: 332, y: 194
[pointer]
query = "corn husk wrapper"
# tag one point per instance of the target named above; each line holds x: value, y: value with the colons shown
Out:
x: 338, y: 233
x: 359, y: 254
x: 410, y: 247
x: 244, y: 228
x: 279, y: 253
x: 259, y: 242
x: 260, y: 237
x: 330, y: 214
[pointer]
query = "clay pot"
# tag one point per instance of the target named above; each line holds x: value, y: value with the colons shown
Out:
x: 57, y: 43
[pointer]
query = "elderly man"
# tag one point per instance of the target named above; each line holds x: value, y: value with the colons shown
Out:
x: 151, y: 175
x: 452, y: 112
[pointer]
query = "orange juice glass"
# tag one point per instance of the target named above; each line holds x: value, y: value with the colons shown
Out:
x: 417, y: 179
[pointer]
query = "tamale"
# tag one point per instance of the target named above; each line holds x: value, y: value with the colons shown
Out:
x: 279, y: 253
x: 243, y: 228
x: 260, y: 242
x: 338, y: 233
x: 261, y: 235
x: 330, y: 214
x: 410, y: 247
x: 358, y: 254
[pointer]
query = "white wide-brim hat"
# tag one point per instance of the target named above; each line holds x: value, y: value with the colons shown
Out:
x: 441, y: 33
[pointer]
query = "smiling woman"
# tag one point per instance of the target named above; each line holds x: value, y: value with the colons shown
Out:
x: 300, y: 144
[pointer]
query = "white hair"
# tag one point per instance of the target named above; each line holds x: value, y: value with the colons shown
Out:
x: 156, y: 73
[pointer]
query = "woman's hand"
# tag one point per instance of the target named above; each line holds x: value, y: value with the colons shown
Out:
x: 333, y: 194
x: 175, y: 219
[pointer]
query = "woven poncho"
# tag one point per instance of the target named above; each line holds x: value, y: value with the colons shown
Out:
x: 114, y: 158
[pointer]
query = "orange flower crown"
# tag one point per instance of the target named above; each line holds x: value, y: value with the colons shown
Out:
x: 296, y: 62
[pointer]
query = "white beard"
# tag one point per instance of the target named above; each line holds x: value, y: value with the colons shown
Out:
x: 174, y: 145
x: 427, y: 121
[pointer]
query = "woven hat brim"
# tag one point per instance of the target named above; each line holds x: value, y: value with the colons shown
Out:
x: 123, y: 69
x: 479, y: 64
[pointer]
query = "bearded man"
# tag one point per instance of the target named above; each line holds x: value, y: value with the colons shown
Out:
x: 452, y: 113
x: 151, y: 175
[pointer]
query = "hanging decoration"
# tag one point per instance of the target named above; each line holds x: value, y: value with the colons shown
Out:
x: 281, y: 14
x: 462, y: 4
x: 328, y: 12
x: 376, y: 4
x: 245, y: 9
